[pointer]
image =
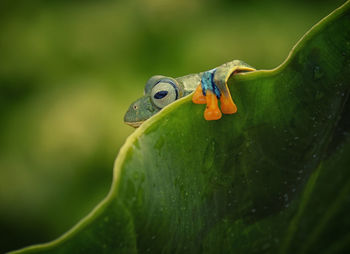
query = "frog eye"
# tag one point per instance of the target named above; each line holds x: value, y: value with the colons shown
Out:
x: 164, y: 93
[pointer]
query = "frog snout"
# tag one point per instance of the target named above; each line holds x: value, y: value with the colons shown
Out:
x: 131, y: 114
x: 135, y: 115
x: 139, y: 111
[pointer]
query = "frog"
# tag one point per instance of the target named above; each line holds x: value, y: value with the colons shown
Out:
x: 208, y: 87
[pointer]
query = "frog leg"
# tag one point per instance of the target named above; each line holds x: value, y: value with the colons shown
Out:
x: 221, y: 76
x: 212, y: 111
x: 198, y: 96
x: 208, y: 93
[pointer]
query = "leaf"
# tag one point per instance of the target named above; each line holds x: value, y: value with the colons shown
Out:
x: 272, y: 178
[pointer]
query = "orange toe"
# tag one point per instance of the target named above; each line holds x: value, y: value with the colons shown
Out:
x: 198, y: 97
x: 227, y: 105
x: 212, y: 112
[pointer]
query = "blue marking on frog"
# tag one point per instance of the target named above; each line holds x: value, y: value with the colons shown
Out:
x: 207, y: 83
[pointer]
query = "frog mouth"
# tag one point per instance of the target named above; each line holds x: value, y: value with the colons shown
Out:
x: 134, y: 124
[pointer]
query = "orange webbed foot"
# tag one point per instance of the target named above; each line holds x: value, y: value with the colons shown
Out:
x: 198, y: 97
x: 227, y: 105
x: 212, y: 112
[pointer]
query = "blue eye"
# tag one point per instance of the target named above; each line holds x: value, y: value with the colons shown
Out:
x: 163, y: 93
x: 160, y: 94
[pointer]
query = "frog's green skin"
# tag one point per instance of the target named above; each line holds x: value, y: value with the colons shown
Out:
x: 145, y: 107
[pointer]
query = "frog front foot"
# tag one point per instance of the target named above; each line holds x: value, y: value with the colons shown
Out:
x: 213, y: 87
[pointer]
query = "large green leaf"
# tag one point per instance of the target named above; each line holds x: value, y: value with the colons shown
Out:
x: 272, y: 178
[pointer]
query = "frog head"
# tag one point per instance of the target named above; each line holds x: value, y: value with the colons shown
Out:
x: 159, y: 92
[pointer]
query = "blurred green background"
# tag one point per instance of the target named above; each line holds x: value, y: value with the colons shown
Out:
x: 69, y: 70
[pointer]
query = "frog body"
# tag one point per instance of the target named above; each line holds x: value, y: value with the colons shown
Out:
x: 207, y: 87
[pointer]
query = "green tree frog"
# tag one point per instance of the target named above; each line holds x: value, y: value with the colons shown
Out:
x: 207, y: 87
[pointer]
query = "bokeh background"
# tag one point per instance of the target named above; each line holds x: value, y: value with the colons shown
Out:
x: 70, y: 69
